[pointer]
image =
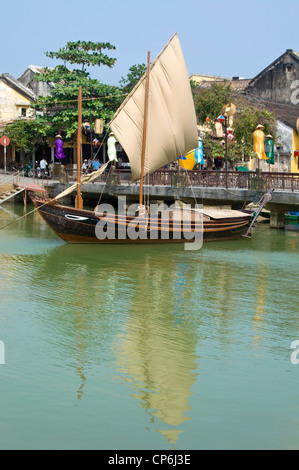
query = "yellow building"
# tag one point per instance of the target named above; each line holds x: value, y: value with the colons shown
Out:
x: 295, y: 158
x: 15, y: 102
x: 199, y: 78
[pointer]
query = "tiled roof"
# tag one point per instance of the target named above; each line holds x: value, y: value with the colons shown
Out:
x: 237, y: 85
x: 286, y: 113
x: 38, y: 68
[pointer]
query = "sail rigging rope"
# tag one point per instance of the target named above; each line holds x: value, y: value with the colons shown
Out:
x: 25, y: 215
x: 190, y: 185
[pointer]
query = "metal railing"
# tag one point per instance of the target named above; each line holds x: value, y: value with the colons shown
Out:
x: 249, y: 180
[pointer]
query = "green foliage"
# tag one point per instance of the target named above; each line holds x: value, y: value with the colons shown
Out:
x: 59, y: 112
x: 24, y: 134
x: 86, y: 53
x: 212, y: 147
x: 209, y: 101
x: 246, y: 120
x: 135, y: 73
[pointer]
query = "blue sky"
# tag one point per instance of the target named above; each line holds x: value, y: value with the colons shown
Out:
x: 227, y: 38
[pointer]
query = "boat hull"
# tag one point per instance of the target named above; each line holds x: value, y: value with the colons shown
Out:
x: 80, y: 226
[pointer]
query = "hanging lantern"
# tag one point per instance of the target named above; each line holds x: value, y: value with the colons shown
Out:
x: 269, y: 149
x: 259, y: 142
x: 230, y: 136
x: 221, y: 119
x: 229, y: 130
x: 208, y: 119
x: 59, y: 154
x: 296, y: 153
x: 187, y: 161
x: 98, y: 126
x: 95, y: 142
x: 218, y: 129
x: 229, y: 109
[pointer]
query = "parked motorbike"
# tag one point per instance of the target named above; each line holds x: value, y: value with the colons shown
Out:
x: 44, y: 172
x: 28, y: 170
x: 40, y: 173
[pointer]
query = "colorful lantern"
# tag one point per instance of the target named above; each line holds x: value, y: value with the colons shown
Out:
x: 99, y: 126
x: 59, y: 147
x: 111, y: 144
x: 198, y: 153
x: 269, y: 149
x: 187, y: 161
x: 229, y: 109
x: 218, y: 129
x: 259, y: 143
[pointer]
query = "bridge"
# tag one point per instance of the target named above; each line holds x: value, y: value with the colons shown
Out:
x: 210, y: 188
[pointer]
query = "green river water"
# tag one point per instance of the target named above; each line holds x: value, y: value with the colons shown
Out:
x: 147, y: 347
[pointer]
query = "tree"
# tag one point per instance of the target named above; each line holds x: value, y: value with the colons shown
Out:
x: 84, y: 53
x: 24, y: 134
x: 135, y: 73
x: 209, y: 101
x: 59, y: 112
x: 246, y: 120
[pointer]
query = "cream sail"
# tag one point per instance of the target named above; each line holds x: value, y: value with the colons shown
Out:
x: 171, y: 124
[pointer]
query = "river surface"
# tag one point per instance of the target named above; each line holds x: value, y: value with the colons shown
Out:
x: 147, y: 347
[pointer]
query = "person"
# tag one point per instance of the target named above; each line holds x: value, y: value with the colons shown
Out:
x: 96, y: 164
x: 84, y: 167
x: 43, y: 164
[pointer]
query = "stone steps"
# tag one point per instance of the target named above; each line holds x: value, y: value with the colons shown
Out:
x: 9, y: 194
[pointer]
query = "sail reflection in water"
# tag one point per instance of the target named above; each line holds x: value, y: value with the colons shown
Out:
x: 156, y: 356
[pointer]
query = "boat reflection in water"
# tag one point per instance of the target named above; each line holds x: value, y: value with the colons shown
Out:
x: 156, y: 356
x: 132, y: 304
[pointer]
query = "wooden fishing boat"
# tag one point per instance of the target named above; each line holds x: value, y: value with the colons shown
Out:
x: 80, y: 226
x: 155, y: 125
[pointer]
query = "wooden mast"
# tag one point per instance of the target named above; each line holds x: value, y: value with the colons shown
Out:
x: 79, y: 200
x: 144, y: 130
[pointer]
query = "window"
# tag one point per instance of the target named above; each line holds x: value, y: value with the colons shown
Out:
x: 23, y: 112
x: 288, y: 67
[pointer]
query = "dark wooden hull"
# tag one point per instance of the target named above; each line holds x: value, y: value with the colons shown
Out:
x: 79, y: 226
